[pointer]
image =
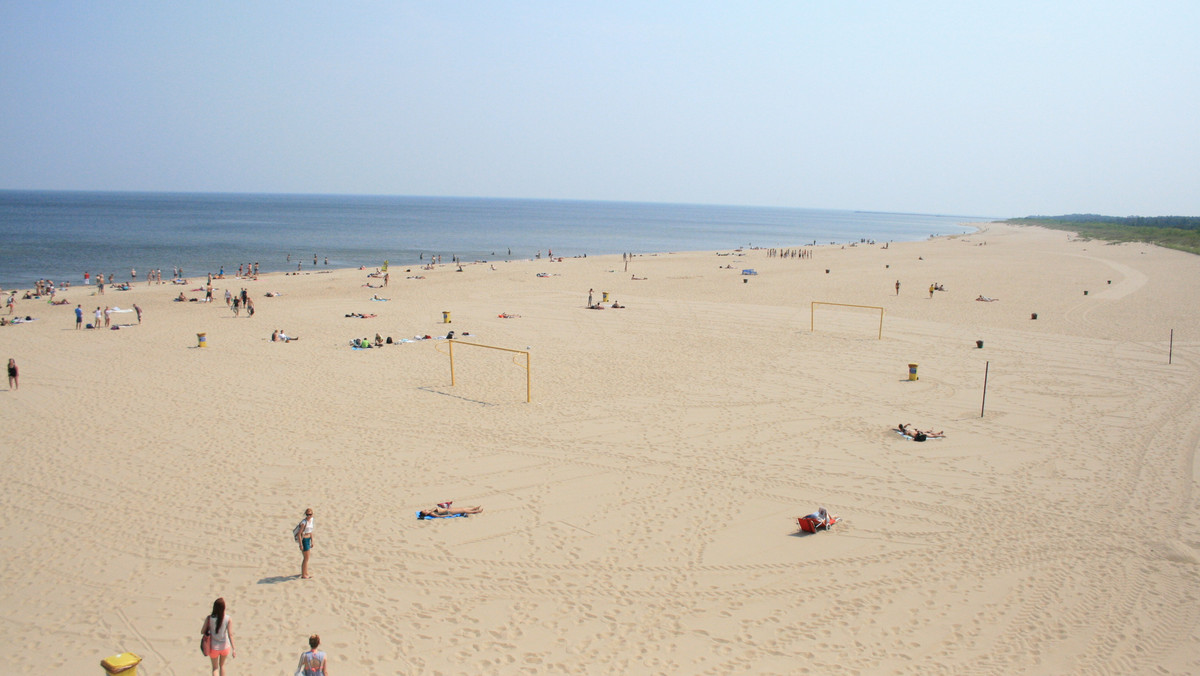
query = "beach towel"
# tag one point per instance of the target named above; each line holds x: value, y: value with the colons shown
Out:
x: 430, y: 516
x: 911, y: 438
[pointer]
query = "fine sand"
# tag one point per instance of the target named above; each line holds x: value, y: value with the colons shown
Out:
x: 640, y: 514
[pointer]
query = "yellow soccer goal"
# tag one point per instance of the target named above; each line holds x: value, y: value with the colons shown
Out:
x: 815, y: 303
x: 528, y: 377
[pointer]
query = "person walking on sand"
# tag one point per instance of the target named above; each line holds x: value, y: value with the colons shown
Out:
x: 78, y: 316
x: 590, y: 303
x: 312, y: 661
x: 304, y: 539
x: 219, y: 630
x: 107, y: 316
x: 897, y: 287
x: 98, y: 316
x: 931, y: 288
x: 13, y: 383
x: 138, y: 310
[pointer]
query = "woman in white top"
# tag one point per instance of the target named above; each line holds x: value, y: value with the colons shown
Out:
x: 306, y: 543
x: 220, y: 633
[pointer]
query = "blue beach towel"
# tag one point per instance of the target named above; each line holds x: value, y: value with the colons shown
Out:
x: 910, y: 438
x: 448, y: 516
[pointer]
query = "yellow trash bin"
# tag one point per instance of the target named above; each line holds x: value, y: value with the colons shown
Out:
x: 201, y: 340
x: 124, y: 664
x: 605, y: 299
x: 445, y: 316
x: 912, y: 372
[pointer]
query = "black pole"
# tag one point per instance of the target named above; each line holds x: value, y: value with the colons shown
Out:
x: 1171, y: 349
x: 985, y: 376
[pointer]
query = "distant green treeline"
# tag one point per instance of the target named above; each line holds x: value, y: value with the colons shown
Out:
x: 1173, y: 232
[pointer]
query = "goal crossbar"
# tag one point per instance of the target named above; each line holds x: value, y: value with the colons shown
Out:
x: 812, y: 319
x: 528, y: 379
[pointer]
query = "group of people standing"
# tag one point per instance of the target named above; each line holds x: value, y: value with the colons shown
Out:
x: 105, y: 316
x: 789, y: 253
x: 239, y: 301
x: 217, y: 631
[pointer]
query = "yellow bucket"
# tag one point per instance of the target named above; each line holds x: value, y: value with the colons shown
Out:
x: 201, y: 340
x: 124, y: 664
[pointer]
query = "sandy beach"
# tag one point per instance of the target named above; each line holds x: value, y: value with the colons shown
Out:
x: 640, y: 512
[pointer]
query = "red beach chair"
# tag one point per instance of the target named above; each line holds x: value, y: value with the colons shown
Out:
x: 810, y: 525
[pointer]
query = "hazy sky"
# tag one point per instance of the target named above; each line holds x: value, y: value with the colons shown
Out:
x: 971, y: 108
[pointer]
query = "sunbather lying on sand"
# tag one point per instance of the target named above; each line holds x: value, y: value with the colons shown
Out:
x: 986, y: 299
x: 445, y: 509
x: 910, y: 431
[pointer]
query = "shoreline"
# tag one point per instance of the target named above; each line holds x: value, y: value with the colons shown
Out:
x: 421, y: 263
x: 60, y: 237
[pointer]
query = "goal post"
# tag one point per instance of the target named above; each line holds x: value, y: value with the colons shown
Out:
x: 813, y: 314
x: 528, y: 378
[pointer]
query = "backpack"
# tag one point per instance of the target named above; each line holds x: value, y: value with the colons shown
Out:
x: 297, y: 530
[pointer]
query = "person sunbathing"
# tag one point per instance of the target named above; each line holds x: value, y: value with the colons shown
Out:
x: 445, y: 509
x: 986, y: 299
x: 822, y: 518
x: 910, y: 431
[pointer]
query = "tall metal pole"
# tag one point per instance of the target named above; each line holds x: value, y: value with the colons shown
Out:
x: 986, y: 366
x: 1171, y: 349
x: 451, y: 362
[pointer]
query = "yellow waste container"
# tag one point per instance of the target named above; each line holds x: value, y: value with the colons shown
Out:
x: 201, y: 340
x: 124, y: 664
x: 912, y: 372
x: 445, y: 316
x: 605, y: 299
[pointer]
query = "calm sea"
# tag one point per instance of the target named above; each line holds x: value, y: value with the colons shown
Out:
x: 59, y: 235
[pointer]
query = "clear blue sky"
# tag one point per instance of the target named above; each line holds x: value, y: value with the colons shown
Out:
x: 975, y: 108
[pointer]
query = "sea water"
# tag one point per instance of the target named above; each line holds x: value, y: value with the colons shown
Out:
x: 60, y: 235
